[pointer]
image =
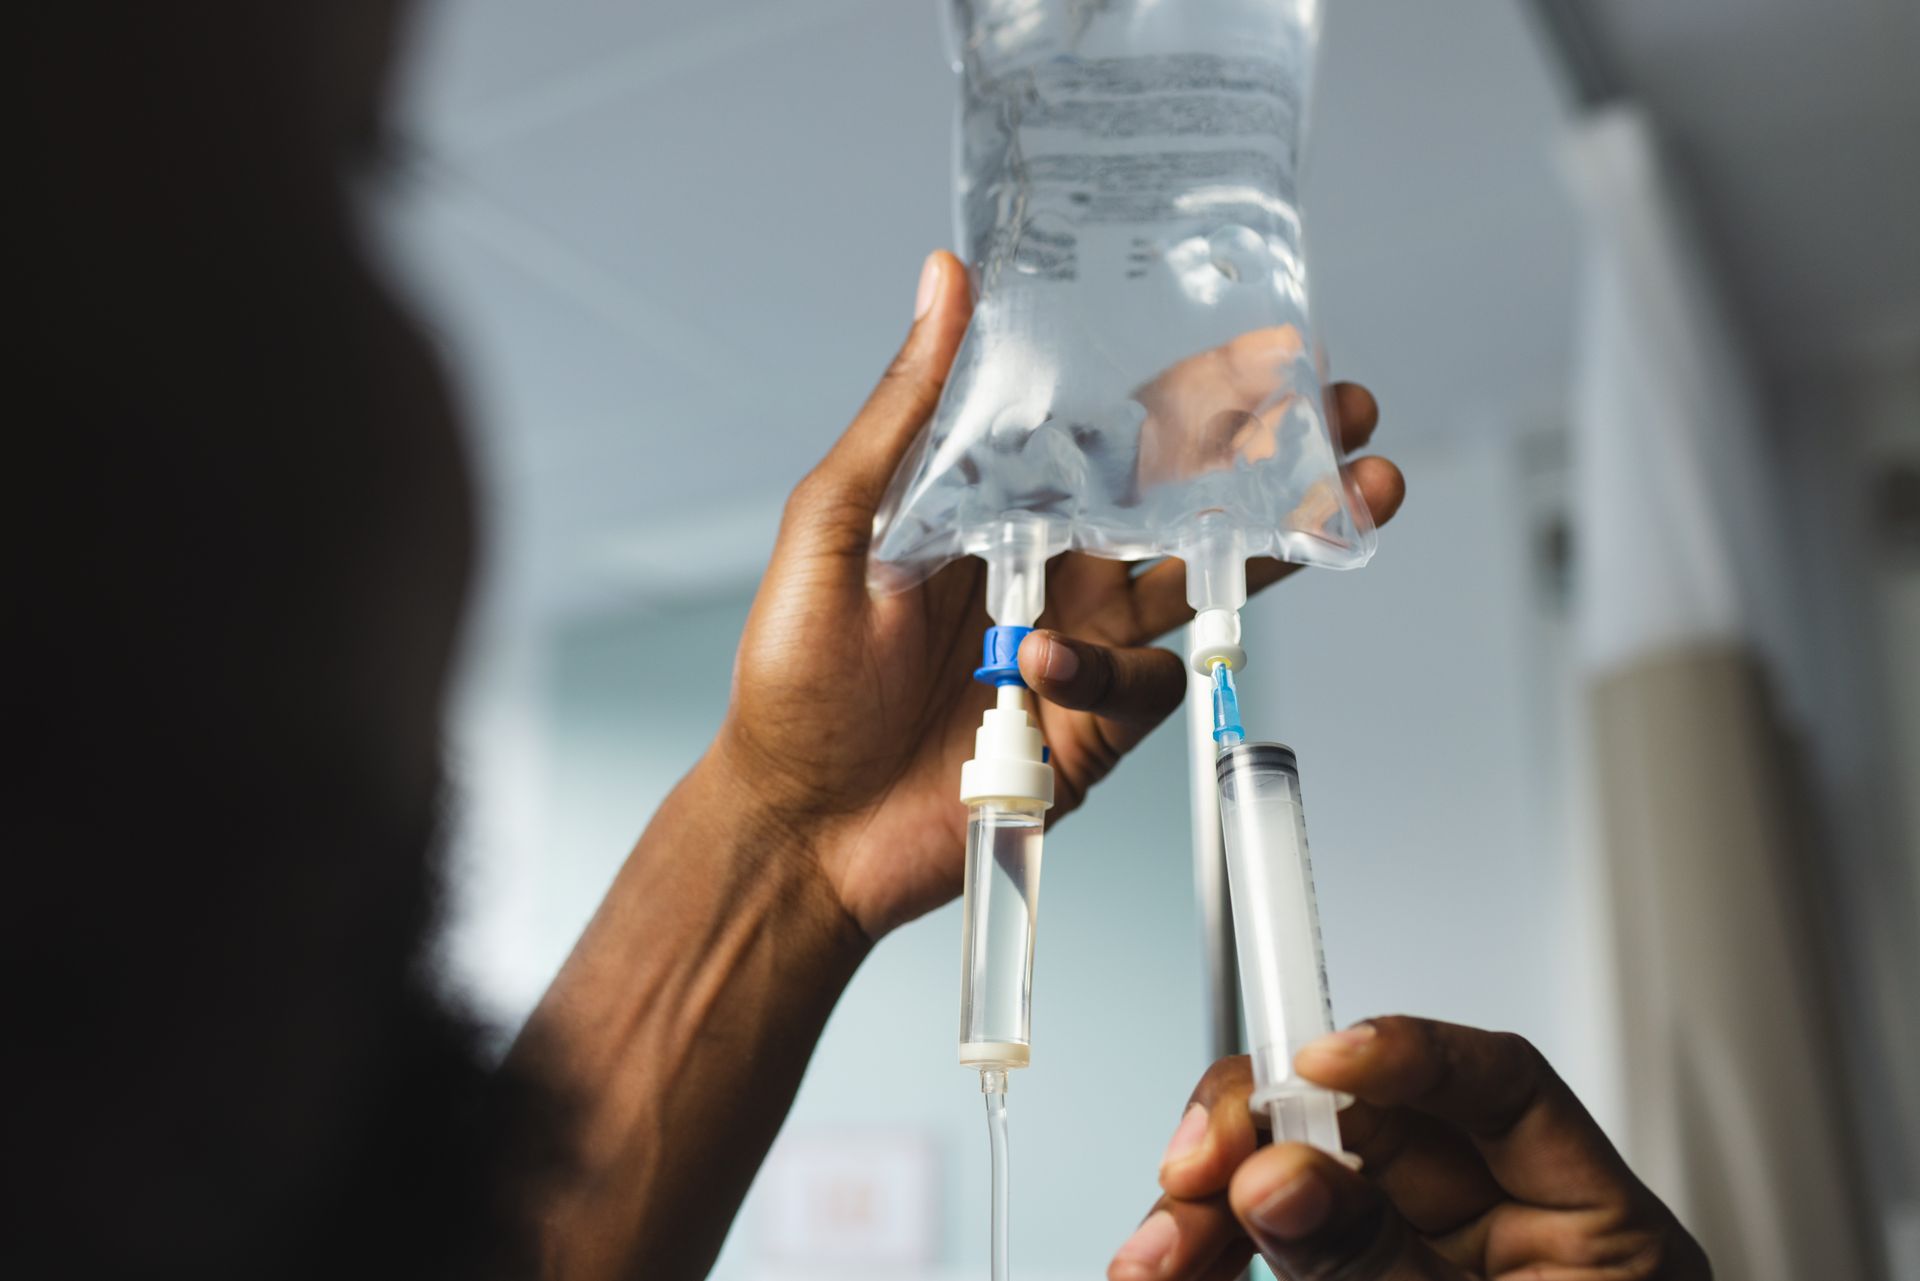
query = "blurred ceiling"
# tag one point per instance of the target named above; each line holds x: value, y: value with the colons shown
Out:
x: 1797, y: 126
x: 670, y: 247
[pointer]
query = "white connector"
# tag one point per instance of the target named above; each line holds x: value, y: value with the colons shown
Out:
x: 1215, y: 638
x: 1216, y: 588
x: 1009, y: 756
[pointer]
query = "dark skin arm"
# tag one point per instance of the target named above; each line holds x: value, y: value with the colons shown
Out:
x: 1476, y: 1160
x: 822, y: 816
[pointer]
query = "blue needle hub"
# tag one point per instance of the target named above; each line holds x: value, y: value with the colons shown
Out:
x: 1227, y: 730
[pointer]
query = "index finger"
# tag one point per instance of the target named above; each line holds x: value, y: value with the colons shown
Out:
x: 1215, y: 1134
x: 1356, y: 414
x: 1538, y: 1140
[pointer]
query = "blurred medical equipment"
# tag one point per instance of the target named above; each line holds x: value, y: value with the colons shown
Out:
x: 1141, y: 378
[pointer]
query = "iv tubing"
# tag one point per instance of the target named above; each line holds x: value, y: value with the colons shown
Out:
x: 993, y: 1084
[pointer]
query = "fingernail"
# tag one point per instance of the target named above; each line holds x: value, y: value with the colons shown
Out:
x: 1294, y: 1209
x: 1150, y: 1243
x: 1347, y: 1042
x: 1188, y: 1135
x: 1060, y: 662
x: 1056, y: 659
x: 929, y: 286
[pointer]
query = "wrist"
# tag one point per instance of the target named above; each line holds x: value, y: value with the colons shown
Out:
x: 676, y: 1034
x: 771, y: 836
x: 776, y: 802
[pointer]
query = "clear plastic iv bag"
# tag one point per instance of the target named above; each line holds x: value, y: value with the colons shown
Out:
x: 1142, y: 354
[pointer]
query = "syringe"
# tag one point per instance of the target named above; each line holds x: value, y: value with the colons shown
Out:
x: 1283, y: 977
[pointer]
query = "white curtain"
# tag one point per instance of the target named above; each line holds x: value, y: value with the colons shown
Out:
x: 1732, y: 1100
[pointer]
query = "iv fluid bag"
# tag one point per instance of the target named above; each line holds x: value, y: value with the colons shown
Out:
x: 1142, y: 353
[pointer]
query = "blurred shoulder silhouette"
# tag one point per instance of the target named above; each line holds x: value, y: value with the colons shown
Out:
x: 239, y: 536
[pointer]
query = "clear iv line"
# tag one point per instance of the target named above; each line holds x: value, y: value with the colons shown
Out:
x: 993, y: 1084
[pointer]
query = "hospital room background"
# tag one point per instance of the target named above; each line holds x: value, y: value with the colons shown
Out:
x: 1616, y: 743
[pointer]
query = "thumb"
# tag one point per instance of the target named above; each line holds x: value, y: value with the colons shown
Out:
x: 846, y: 488
x: 1126, y: 692
x: 1314, y: 1218
x: 1133, y: 686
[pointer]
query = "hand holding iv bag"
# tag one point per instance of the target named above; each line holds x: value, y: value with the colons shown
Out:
x: 1141, y: 375
x: 1140, y: 378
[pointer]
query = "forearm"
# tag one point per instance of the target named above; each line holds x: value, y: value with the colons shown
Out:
x: 677, y: 1032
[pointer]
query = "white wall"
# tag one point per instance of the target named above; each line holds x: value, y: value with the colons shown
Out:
x: 1889, y: 408
x: 1843, y: 424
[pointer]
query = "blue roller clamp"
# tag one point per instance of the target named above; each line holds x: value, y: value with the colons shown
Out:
x: 1000, y: 656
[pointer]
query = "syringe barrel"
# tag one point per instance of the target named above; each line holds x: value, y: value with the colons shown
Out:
x: 1283, y: 978
x: 1004, y: 838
